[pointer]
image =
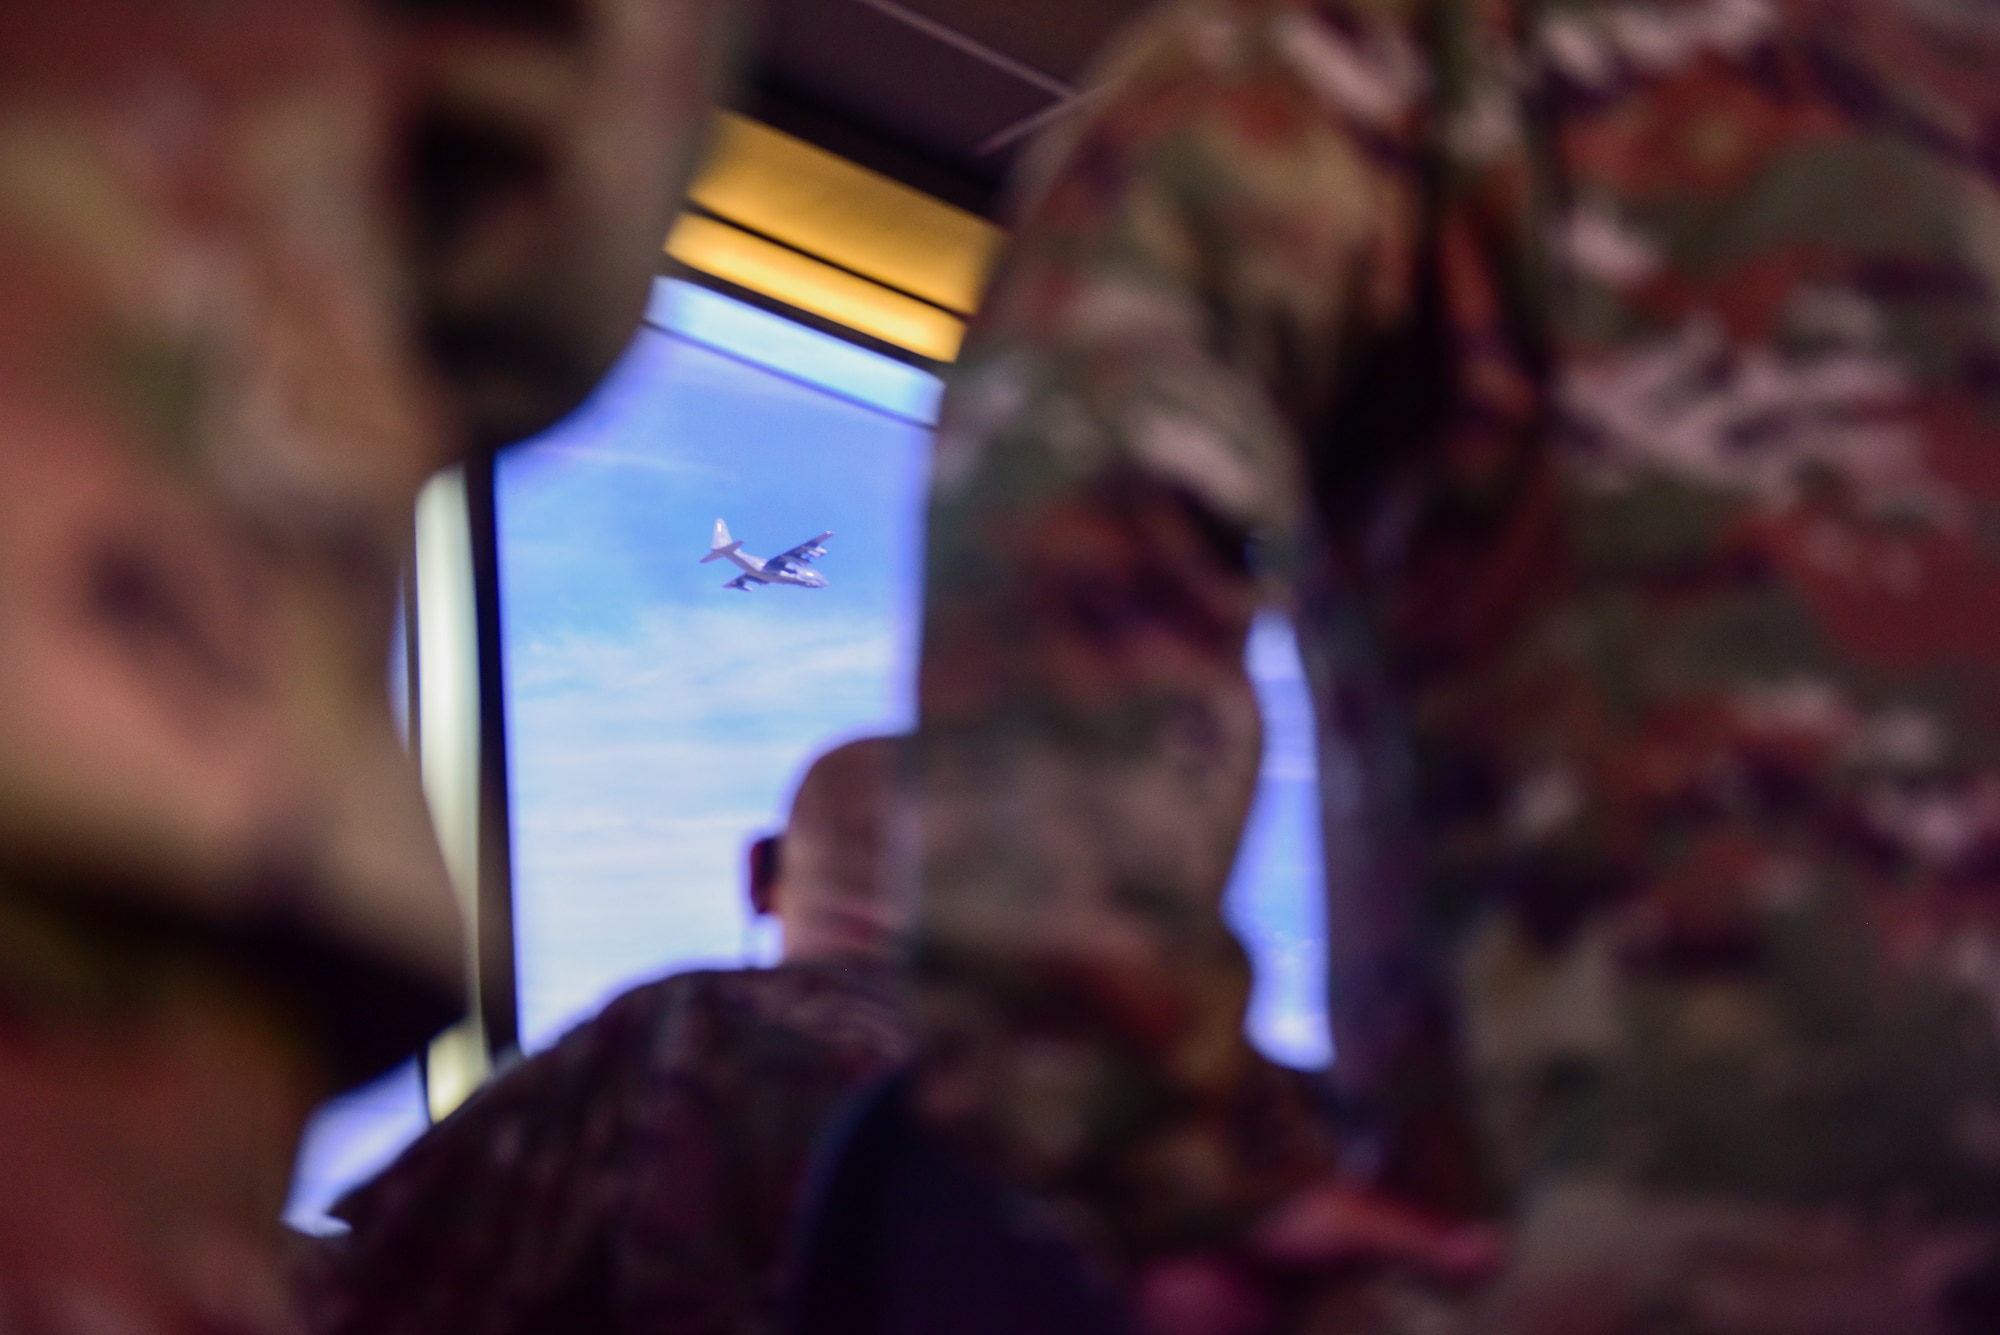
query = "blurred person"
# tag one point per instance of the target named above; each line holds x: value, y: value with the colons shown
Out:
x: 268, y: 264
x: 641, y: 1174
x: 1608, y: 391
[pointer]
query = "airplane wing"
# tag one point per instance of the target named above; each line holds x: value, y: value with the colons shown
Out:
x: 802, y: 555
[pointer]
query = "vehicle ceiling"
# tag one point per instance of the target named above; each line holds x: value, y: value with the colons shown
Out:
x: 937, y: 93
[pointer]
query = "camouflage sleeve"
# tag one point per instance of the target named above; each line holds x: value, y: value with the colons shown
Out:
x: 226, y: 232
x: 638, y: 1176
x: 270, y: 266
x: 543, y: 152
x: 502, y: 1217
x: 1118, y: 486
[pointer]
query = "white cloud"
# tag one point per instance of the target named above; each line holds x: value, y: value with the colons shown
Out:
x: 644, y: 761
x: 672, y: 465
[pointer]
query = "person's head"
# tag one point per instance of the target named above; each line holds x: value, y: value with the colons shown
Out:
x: 827, y: 879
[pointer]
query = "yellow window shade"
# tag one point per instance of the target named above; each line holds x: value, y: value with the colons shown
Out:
x: 825, y: 205
x: 736, y: 256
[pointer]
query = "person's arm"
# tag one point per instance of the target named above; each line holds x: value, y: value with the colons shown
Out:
x: 544, y: 148
x: 1119, y: 484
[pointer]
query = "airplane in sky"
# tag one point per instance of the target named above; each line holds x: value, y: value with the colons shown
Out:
x: 784, y: 568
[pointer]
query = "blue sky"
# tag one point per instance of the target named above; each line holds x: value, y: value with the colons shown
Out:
x: 1275, y: 901
x: 657, y: 721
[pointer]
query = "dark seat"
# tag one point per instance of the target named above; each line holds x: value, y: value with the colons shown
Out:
x: 898, y: 1237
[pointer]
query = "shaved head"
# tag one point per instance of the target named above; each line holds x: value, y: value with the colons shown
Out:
x: 831, y: 886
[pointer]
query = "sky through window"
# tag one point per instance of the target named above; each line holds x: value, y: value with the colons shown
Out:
x: 657, y: 721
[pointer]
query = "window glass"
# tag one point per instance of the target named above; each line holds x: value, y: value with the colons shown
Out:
x: 1275, y: 901
x: 350, y: 1140
x: 658, y: 720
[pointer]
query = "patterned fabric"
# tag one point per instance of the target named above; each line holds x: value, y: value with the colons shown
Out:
x: 270, y: 265
x: 147, y: 1153
x: 638, y: 1176
x: 1608, y: 390
x: 264, y: 266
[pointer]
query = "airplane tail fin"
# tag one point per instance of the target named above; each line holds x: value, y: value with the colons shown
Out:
x: 721, y: 544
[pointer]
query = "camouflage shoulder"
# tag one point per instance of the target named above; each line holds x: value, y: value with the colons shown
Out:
x: 1356, y: 61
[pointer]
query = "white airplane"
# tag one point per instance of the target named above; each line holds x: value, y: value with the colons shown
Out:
x: 784, y: 568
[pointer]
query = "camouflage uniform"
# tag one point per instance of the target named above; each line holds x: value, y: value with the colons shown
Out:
x: 268, y: 264
x: 1606, y: 390
x: 639, y: 1176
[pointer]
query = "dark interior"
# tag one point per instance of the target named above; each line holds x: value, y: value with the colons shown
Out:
x: 939, y: 94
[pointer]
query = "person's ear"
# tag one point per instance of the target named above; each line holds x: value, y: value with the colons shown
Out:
x: 765, y: 856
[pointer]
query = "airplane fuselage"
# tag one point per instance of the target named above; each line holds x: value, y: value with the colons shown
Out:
x: 758, y: 571
x: 792, y: 567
